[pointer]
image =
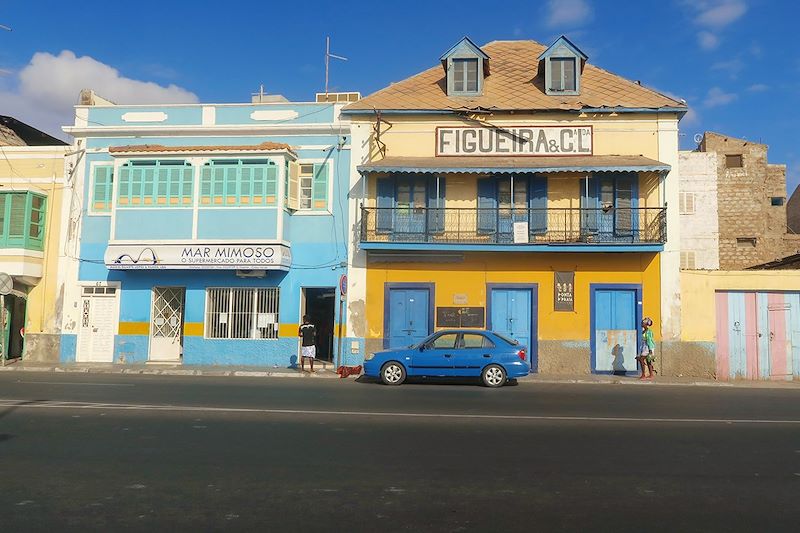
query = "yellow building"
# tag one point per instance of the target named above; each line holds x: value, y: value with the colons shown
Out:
x: 31, y: 200
x: 519, y: 188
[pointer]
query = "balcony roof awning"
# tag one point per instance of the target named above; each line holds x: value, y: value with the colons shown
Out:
x: 511, y: 165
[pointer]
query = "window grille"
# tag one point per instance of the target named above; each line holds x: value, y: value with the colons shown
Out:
x: 242, y: 313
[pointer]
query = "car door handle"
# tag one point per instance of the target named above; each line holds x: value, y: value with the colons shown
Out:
x: 448, y: 355
x: 487, y: 355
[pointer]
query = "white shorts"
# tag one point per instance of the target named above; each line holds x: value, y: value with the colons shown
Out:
x: 308, y: 351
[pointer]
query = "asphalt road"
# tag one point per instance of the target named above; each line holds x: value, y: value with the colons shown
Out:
x: 156, y: 453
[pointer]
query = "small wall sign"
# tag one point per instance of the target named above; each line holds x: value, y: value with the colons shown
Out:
x: 564, y: 298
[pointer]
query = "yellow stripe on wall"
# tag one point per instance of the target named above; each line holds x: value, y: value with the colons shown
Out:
x: 288, y: 330
x: 193, y: 329
x: 134, y: 328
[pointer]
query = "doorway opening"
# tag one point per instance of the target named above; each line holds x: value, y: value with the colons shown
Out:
x: 320, y: 305
x: 13, y: 326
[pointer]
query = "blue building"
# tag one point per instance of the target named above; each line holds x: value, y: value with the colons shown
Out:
x: 201, y: 233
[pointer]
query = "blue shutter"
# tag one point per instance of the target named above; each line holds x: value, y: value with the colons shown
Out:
x: 436, y: 212
x: 487, y: 205
x: 537, y: 202
x: 385, y: 193
x: 589, y: 203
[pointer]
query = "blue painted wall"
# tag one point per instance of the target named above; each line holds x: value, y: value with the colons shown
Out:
x: 240, y: 223
x: 318, y: 242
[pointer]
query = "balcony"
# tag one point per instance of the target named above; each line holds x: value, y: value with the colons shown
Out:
x: 637, y: 229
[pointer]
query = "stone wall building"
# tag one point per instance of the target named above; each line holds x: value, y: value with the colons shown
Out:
x: 749, y: 205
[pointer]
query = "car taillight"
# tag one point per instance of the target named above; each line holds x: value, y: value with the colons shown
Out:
x: 521, y: 354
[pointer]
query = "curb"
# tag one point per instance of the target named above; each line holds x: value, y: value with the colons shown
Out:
x: 321, y: 374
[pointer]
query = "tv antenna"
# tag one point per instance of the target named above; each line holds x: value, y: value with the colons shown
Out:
x: 328, y: 56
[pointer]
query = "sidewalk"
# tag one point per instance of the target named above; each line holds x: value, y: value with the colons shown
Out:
x: 167, y: 370
x: 328, y: 373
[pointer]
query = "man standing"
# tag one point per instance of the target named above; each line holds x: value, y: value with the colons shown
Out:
x: 308, y: 341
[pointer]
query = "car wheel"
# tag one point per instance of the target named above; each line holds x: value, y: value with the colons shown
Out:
x: 494, y: 376
x: 393, y: 373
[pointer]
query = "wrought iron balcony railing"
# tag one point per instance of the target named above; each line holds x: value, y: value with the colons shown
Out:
x: 646, y: 225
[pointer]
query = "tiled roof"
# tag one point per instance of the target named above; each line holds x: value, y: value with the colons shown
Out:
x: 514, y: 84
x: 160, y: 148
x: 500, y: 164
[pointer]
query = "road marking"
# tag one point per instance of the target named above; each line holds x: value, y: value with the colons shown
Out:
x: 56, y: 404
x: 78, y: 383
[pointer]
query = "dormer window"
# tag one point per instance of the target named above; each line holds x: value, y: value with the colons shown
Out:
x: 562, y: 74
x: 465, y: 75
x: 465, y: 66
x: 562, y: 65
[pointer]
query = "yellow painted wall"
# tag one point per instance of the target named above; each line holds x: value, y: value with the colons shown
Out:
x: 38, y: 172
x: 471, y: 276
x: 414, y: 136
x: 698, y: 305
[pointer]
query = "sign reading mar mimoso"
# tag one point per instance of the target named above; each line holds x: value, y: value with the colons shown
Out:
x: 516, y: 141
x: 256, y: 256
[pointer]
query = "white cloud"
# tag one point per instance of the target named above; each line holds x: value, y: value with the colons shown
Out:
x: 712, y: 16
x: 733, y: 67
x: 45, y: 90
x: 691, y: 118
x: 719, y: 13
x: 758, y: 88
x: 717, y: 97
x: 707, y: 40
x: 568, y: 13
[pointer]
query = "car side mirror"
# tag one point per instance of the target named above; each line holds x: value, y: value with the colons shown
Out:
x: 422, y: 347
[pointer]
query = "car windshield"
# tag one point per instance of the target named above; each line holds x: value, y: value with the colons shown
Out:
x: 509, y: 340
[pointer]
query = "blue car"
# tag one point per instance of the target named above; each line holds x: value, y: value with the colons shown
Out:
x: 463, y: 353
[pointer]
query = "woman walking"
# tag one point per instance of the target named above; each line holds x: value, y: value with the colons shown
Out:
x: 646, y: 357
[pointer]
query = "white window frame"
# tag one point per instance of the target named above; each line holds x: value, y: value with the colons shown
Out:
x: 208, y: 313
x: 301, y: 195
x: 331, y: 173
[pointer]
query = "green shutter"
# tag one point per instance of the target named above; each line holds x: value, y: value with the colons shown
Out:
x: 22, y: 220
x: 271, y: 184
x: 124, y: 194
x: 319, y: 190
x: 102, y: 189
x: 205, y: 185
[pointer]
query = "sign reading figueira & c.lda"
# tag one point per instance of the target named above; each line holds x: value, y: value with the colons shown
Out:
x: 514, y: 141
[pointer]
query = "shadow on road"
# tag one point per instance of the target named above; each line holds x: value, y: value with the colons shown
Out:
x: 469, y: 382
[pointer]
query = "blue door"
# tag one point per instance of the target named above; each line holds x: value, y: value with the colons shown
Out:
x: 511, y: 315
x: 436, y: 359
x: 408, y: 316
x: 615, y: 330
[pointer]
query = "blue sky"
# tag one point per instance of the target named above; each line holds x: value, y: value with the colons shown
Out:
x: 736, y: 62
